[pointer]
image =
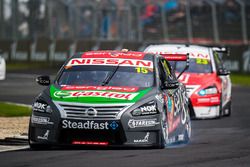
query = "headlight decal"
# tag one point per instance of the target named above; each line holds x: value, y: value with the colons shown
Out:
x: 149, y: 108
x: 208, y: 91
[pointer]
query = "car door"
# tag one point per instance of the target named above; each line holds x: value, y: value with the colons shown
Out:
x: 172, y: 97
x: 223, y: 74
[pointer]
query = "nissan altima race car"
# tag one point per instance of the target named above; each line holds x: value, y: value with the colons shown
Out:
x: 111, y: 98
x: 2, y: 68
x: 207, y: 81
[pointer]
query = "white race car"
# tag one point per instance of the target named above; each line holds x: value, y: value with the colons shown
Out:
x: 207, y: 81
x: 2, y: 68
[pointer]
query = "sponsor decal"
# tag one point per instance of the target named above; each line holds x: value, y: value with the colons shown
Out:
x: 191, y: 55
x: 101, y: 54
x: 171, y: 140
x: 40, y: 107
x: 45, y: 136
x: 41, y: 120
x: 175, y: 57
x: 144, y: 140
x: 174, y: 125
x: 141, y: 123
x: 113, y: 125
x: 181, y: 137
x: 170, y: 108
x: 203, y: 100
x: 91, y: 112
x: 149, y: 109
x: 184, y: 78
x: 110, y: 62
x: 68, y: 124
x: 214, y: 100
x: 108, y: 88
x: 112, y: 95
x: 170, y: 104
x: 146, y: 109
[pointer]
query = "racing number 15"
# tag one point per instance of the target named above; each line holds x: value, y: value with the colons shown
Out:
x: 141, y: 70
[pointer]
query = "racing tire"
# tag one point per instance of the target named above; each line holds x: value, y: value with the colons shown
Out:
x: 229, y: 109
x: 188, y: 130
x: 39, y: 146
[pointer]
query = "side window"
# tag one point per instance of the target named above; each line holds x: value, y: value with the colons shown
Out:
x: 218, y: 62
x: 161, y: 72
x: 169, y: 75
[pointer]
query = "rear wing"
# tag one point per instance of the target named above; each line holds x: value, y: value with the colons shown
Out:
x: 177, y: 57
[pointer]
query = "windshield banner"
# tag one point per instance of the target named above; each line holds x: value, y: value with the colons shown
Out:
x: 109, y: 88
x: 110, y: 62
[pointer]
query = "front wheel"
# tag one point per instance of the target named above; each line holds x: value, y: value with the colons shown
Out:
x: 188, y: 130
x: 228, y: 109
x: 164, y: 131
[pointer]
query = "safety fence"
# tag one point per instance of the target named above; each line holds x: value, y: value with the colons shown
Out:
x: 52, y: 30
x: 192, y: 21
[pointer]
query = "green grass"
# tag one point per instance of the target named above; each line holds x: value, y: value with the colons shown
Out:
x: 240, y: 79
x: 13, y: 110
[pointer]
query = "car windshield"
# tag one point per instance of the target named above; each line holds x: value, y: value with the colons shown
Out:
x: 195, y: 66
x: 96, y: 75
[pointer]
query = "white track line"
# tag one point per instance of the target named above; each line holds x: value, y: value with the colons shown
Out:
x: 12, y: 148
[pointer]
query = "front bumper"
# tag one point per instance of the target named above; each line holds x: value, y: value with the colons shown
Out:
x: 116, y: 133
x: 206, y: 112
x: 2, y: 74
x: 205, y: 106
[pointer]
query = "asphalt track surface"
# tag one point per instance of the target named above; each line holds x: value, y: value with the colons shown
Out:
x: 216, y: 142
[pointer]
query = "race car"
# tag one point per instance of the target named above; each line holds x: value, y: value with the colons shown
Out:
x: 207, y: 80
x: 2, y: 68
x: 111, y: 98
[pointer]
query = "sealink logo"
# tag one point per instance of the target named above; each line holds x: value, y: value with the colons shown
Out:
x: 61, y: 94
x: 113, y: 125
x: 169, y: 104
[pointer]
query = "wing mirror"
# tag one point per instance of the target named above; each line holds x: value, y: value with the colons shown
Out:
x: 43, y: 80
x: 171, y: 85
x: 223, y: 72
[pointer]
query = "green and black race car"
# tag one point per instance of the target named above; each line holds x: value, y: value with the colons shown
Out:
x: 111, y: 98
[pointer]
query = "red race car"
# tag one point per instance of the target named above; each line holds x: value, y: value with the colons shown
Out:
x: 207, y: 81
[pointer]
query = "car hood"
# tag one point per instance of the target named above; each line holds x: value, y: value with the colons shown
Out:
x: 97, y: 94
x: 197, y: 79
